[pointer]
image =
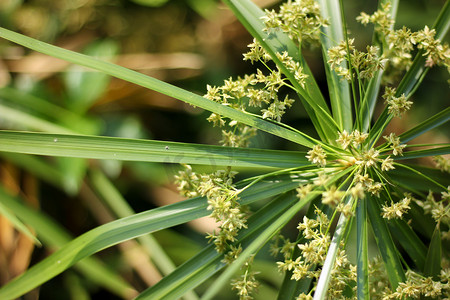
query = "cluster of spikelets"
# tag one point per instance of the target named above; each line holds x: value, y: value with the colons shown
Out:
x: 301, y: 20
x: 256, y: 91
x: 397, y: 56
x: 222, y: 201
x: 401, y: 42
x: 314, y: 247
x: 367, y: 165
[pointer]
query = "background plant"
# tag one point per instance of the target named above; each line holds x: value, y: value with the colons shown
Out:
x: 353, y: 173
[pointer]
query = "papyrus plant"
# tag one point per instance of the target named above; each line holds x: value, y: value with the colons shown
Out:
x: 354, y: 174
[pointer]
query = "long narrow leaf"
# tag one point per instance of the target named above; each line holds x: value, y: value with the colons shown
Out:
x: 96, y: 147
x: 434, y: 256
x: 385, y: 244
x: 97, y: 239
x: 120, y: 207
x: 409, y: 240
x: 16, y: 222
x: 41, y: 168
x: 417, y: 180
x: 422, y: 223
x: 55, y: 236
x: 431, y: 123
x: 21, y: 119
x: 156, y: 85
x: 339, y: 89
x: 423, y: 176
x: 290, y: 289
x: 362, y: 257
x: 369, y: 100
x: 109, y: 193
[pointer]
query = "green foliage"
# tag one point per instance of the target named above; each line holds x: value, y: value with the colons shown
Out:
x: 356, y: 172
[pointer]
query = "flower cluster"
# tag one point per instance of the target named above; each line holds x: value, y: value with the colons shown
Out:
x: 317, y: 156
x: 257, y: 53
x: 293, y: 66
x: 355, y: 138
x: 222, y: 201
x: 397, y: 106
x: 361, y: 159
x: 368, y: 183
x: 381, y: 18
x: 300, y: 20
x: 436, y: 53
x: 342, y: 276
x: 439, y: 210
x: 187, y: 182
x: 393, y: 141
x: 247, y: 284
x: 442, y: 163
x: 379, y: 285
x: 313, y: 252
x: 332, y: 196
x: 256, y: 91
x: 364, y: 64
x: 396, y: 210
x: 416, y: 286
x: 399, y: 44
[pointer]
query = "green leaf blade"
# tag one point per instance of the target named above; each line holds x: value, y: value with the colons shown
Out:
x: 409, y: 240
x: 362, y: 259
x: 55, y: 236
x: 339, y: 89
x: 437, y: 120
x: 385, y: 244
x: 96, y: 147
x: 434, y: 256
x: 424, y: 153
x: 418, y: 178
x: 16, y: 222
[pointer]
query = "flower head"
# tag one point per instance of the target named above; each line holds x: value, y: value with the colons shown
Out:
x: 397, y: 106
x: 317, y: 156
